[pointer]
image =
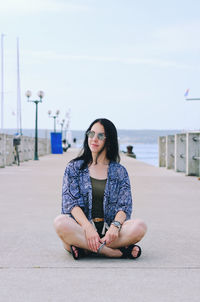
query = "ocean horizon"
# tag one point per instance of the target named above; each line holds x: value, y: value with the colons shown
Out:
x: 144, y: 142
x: 125, y: 135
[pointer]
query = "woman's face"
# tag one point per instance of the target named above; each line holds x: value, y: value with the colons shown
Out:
x: 95, y: 144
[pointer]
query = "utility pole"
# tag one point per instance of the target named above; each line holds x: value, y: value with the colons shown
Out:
x: 2, y: 83
x: 19, y: 112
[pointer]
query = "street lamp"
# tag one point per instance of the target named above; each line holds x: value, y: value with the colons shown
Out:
x: 55, y: 116
x: 62, y: 125
x: 67, y: 115
x: 41, y: 95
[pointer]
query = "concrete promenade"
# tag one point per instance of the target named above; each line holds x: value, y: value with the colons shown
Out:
x: 35, y: 267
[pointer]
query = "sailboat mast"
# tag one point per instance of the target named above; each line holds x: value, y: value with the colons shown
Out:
x: 19, y: 115
x: 2, y: 83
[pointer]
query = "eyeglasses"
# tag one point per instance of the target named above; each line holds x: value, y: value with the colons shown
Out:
x: 100, y: 136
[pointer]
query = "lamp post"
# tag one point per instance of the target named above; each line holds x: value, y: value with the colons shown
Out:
x: 62, y: 125
x: 41, y: 95
x: 55, y: 116
x: 67, y: 133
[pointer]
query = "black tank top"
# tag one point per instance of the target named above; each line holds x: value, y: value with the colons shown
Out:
x: 98, y: 187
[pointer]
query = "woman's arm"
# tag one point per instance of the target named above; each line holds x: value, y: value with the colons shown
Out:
x: 120, y: 216
x: 71, y: 195
x: 72, y: 200
x: 80, y: 217
x: 123, y: 207
x: 113, y: 232
x: 124, y: 198
x: 91, y: 234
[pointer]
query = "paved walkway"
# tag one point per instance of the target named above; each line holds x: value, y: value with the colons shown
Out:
x: 34, y: 266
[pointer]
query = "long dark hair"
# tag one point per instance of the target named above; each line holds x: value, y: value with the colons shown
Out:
x: 111, y: 144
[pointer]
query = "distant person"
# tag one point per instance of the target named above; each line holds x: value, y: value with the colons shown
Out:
x: 65, y: 145
x: 97, y: 202
x: 16, y: 143
x: 74, y: 142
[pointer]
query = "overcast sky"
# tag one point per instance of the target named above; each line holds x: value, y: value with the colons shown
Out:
x: 126, y: 60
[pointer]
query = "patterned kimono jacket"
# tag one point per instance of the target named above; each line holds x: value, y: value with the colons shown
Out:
x: 77, y: 191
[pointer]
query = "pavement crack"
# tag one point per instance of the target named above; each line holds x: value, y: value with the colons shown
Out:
x: 100, y: 267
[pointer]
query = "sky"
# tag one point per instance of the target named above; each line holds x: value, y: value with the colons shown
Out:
x: 125, y: 60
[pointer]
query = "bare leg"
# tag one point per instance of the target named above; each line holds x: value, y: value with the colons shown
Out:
x: 132, y: 231
x: 71, y: 233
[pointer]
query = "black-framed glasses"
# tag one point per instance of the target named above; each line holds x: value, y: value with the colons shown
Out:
x: 100, y: 136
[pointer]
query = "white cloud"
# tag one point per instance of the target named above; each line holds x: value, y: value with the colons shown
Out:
x: 21, y: 7
x: 50, y: 55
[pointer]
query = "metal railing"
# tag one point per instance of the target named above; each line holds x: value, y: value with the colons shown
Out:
x: 181, y: 152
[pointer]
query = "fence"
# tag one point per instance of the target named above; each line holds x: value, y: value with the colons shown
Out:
x: 181, y: 152
x: 26, y: 149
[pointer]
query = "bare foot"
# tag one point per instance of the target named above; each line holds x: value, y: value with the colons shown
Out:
x: 75, y: 251
x: 135, y: 251
x: 126, y: 252
x: 80, y: 251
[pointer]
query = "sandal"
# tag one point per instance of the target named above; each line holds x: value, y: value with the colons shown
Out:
x: 79, y: 252
x: 124, y: 252
x: 100, y: 248
x: 127, y: 252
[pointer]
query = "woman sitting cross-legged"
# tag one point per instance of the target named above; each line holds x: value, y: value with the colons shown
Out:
x: 97, y: 202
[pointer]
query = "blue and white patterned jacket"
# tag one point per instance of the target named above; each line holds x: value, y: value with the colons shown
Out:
x: 77, y: 191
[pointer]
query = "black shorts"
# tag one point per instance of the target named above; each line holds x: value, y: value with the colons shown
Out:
x: 99, y: 226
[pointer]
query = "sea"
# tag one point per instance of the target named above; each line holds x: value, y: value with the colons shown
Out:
x: 147, y: 153
x: 144, y: 142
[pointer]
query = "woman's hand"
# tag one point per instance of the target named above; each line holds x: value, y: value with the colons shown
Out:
x: 92, y: 237
x: 111, y: 235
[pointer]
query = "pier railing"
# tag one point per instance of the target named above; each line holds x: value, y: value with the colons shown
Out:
x: 181, y: 152
x: 26, y: 149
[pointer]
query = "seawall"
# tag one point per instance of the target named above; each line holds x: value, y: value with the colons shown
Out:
x: 26, y: 149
